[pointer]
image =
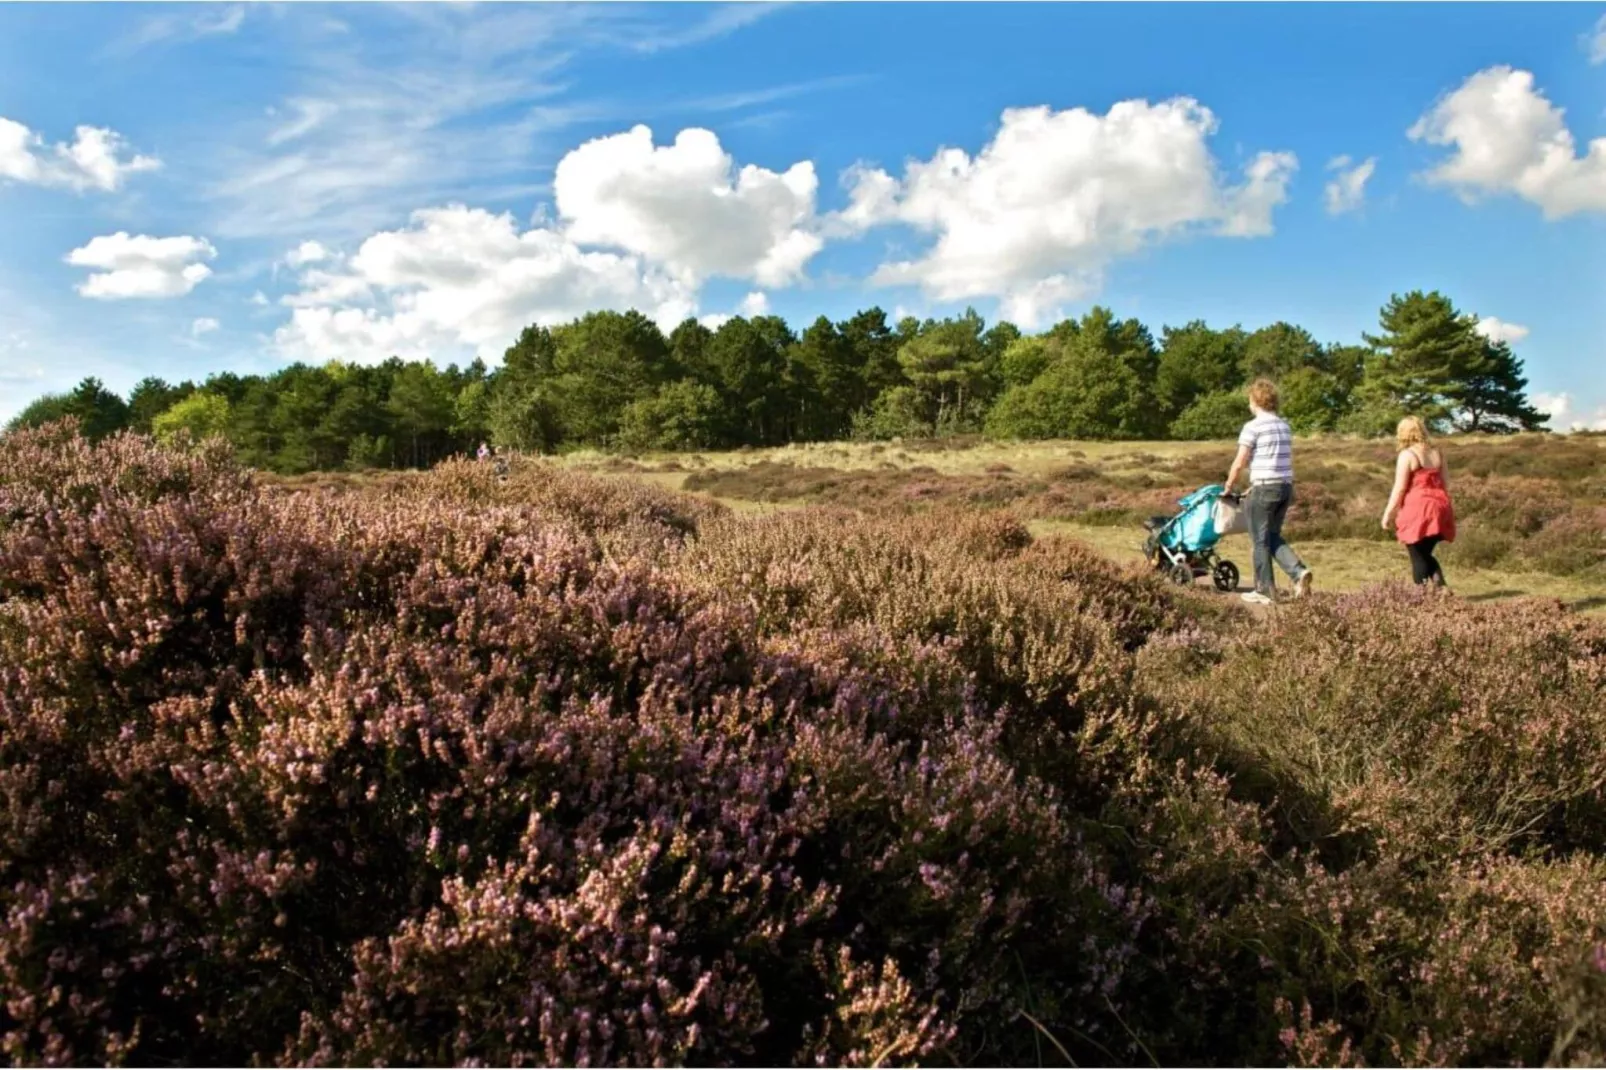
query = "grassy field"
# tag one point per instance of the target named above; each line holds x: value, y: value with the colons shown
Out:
x: 1531, y: 507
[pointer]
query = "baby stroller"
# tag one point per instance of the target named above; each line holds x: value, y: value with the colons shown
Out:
x: 1184, y: 546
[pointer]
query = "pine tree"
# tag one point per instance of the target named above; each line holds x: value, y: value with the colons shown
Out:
x: 1426, y: 349
x: 1493, y: 398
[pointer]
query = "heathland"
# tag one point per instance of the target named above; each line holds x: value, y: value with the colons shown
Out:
x: 561, y: 767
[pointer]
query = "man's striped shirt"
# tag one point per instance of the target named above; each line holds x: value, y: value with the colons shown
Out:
x: 1270, y: 443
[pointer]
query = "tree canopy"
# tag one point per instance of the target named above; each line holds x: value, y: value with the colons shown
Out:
x: 614, y: 380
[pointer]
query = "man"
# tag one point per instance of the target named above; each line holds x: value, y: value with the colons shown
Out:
x: 1266, y: 449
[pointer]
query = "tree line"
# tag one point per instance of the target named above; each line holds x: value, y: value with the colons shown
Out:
x: 614, y: 380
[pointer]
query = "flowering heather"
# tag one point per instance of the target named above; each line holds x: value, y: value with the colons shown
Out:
x: 558, y: 770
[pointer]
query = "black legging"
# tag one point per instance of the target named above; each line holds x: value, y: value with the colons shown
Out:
x: 1424, y: 566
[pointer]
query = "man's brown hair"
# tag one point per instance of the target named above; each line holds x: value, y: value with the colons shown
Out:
x: 1263, y: 395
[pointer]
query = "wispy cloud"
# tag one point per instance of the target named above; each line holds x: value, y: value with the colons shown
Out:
x: 425, y: 102
x: 1594, y: 42
x: 754, y: 98
x: 193, y: 24
x: 726, y: 19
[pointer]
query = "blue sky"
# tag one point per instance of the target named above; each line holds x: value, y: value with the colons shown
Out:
x: 263, y: 183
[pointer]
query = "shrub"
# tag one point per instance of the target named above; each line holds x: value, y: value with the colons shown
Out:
x: 458, y: 769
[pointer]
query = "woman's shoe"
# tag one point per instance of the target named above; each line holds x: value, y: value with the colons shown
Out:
x: 1255, y: 598
x: 1302, y: 585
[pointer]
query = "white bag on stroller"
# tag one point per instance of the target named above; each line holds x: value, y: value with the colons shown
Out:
x: 1229, y: 516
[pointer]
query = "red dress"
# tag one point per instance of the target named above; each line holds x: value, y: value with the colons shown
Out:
x: 1426, y: 510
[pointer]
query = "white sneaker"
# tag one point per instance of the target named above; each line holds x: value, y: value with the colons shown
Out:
x: 1255, y: 598
x: 1302, y: 585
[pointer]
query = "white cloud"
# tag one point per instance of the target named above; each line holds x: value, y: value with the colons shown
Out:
x: 1594, y: 42
x: 308, y: 252
x: 259, y: 299
x: 1497, y: 330
x: 462, y: 278
x: 204, y: 325
x: 1347, y: 189
x: 94, y: 160
x: 1509, y: 138
x: 1557, y: 406
x: 726, y: 19
x: 142, y: 266
x: 1561, y: 408
x: 756, y: 303
x: 1040, y: 211
x: 212, y: 21
x: 308, y: 116
x: 715, y: 320
x: 686, y: 206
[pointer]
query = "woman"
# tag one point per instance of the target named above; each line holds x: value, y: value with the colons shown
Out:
x: 1419, y: 508
x: 1266, y: 451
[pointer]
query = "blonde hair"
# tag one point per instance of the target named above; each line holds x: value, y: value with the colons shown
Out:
x: 1412, y: 432
x: 1263, y: 395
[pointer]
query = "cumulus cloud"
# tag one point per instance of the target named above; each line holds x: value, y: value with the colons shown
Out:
x: 1036, y: 216
x: 1562, y: 410
x: 142, y: 266
x: 756, y: 303
x: 1347, y: 188
x: 308, y: 252
x: 1497, y: 330
x: 1509, y: 139
x: 687, y: 207
x: 204, y: 325
x: 459, y: 277
x: 95, y: 160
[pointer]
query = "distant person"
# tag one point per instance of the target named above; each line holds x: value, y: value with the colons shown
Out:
x: 1266, y: 449
x: 484, y: 453
x: 1419, y: 508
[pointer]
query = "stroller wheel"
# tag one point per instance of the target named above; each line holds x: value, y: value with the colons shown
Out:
x: 1181, y: 575
x: 1225, y: 575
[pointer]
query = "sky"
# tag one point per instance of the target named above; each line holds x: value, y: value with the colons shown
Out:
x: 192, y: 188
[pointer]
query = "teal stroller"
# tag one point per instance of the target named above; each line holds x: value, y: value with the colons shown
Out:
x: 1184, y: 546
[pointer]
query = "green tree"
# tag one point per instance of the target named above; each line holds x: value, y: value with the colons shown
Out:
x: 200, y: 416
x: 150, y: 398
x: 1424, y: 350
x: 946, y: 365
x: 684, y: 415
x: 1088, y: 392
x: 1311, y: 400
x: 875, y: 351
x: 602, y: 362
x: 1130, y: 343
x: 1217, y: 415
x: 688, y: 351
x: 471, y: 411
x: 1026, y: 359
x: 524, y: 417
x: 45, y: 409
x: 747, y: 365
x: 1196, y: 360
x: 533, y: 356
x: 98, y: 411
x: 1493, y: 396
x: 897, y: 412
x: 421, y: 403
x: 1279, y: 349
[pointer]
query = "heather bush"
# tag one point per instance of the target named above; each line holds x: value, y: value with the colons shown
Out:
x: 1433, y: 727
x: 554, y: 768
x: 354, y: 779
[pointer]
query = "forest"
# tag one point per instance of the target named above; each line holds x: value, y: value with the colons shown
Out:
x: 614, y: 381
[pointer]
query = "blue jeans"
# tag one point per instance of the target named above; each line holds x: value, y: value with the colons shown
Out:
x: 1267, y: 507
